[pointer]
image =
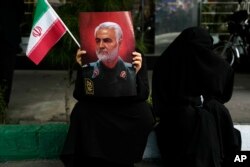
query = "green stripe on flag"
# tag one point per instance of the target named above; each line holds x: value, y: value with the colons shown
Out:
x: 41, y: 8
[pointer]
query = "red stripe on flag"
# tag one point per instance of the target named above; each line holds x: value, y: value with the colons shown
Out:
x: 49, y: 39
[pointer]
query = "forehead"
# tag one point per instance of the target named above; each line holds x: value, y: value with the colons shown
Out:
x: 105, y: 32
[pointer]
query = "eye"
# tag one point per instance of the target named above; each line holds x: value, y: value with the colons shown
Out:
x: 97, y: 40
x: 107, y: 40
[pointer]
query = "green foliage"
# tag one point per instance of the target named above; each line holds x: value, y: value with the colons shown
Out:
x: 64, y: 51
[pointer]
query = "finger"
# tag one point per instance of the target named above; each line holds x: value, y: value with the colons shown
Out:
x: 137, y: 61
x: 79, y: 56
x: 137, y: 65
x: 137, y: 58
x: 136, y: 54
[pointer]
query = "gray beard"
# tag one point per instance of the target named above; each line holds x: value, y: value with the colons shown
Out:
x: 106, y: 58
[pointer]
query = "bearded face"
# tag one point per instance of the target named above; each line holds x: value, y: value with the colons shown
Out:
x: 107, y: 47
x: 107, y: 57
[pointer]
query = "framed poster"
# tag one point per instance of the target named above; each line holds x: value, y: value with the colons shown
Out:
x: 108, y: 39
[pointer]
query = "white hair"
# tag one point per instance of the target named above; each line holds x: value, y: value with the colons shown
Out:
x: 111, y: 25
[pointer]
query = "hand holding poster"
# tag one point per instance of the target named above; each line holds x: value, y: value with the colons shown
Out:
x: 108, y: 39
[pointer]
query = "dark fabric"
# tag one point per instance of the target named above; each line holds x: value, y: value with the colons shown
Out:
x: 141, y: 82
x: 95, y: 162
x: 118, y: 81
x: 229, y: 137
x: 237, y: 139
x: 190, y: 132
x: 109, y: 129
x: 11, y: 14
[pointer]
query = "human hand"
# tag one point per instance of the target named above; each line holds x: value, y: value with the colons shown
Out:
x: 79, y: 55
x: 137, y: 61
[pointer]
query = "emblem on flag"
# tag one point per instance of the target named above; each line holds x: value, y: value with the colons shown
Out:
x: 37, y: 31
x: 47, y: 30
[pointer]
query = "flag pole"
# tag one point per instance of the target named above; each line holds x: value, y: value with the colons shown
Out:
x: 64, y: 25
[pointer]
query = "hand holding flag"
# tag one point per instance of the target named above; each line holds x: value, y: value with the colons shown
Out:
x: 46, y: 31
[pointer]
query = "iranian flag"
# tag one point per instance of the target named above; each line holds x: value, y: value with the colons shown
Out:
x: 47, y: 29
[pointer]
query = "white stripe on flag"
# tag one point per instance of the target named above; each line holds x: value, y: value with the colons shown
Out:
x: 45, y: 22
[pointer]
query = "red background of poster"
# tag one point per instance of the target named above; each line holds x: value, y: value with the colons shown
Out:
x: 88, y: 21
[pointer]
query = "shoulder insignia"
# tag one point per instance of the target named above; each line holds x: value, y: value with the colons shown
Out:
x: 95, y: 72
x: 89, y: 86
x: 123, y: 74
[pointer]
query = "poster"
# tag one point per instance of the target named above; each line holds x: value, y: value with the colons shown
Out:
x: 108, y: 39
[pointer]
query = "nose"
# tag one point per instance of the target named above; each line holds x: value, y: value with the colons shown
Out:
x: 101, y: 44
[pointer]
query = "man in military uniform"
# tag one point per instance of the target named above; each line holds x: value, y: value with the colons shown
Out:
x: 110, y: 75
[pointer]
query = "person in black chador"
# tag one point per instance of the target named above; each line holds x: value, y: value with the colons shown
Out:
x: 190, y: 85
x: 108, y: 131
x: 110, y: 75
